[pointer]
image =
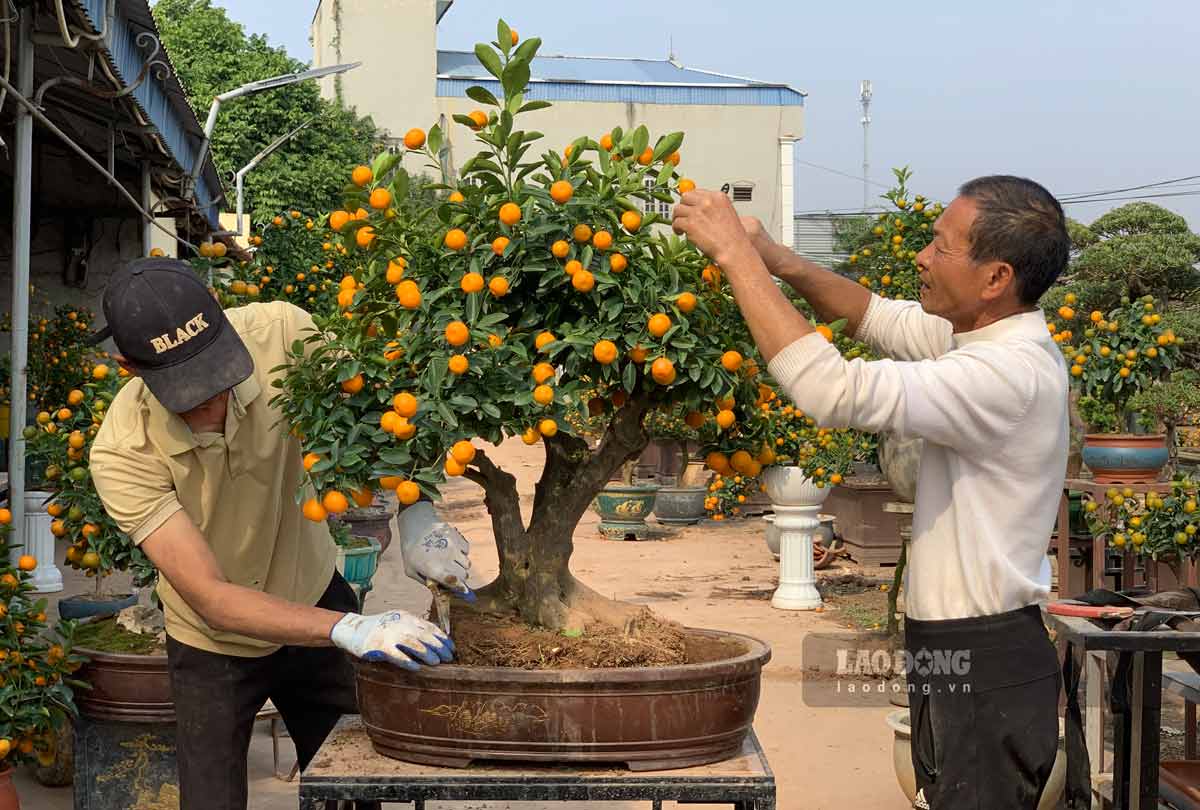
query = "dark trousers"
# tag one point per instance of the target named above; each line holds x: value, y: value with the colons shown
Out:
x: 217, y: 698
x: 983, y: 709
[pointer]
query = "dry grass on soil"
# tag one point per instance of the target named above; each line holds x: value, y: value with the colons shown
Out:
x: 650, y: 641
x: 855, y: 601
x: 106, y: 635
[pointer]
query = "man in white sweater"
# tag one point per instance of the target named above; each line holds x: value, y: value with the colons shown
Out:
x: 973, y: 371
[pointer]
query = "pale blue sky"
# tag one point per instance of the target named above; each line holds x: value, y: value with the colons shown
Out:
x: 1082, y: 96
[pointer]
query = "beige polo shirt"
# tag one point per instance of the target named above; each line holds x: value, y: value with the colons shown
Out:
x: 239, y: 488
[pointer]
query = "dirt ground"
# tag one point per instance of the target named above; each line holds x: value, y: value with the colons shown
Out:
x: 716, y: 575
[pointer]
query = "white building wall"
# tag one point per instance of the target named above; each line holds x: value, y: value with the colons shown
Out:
x: 396, y: 40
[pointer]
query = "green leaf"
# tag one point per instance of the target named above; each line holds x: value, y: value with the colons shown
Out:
x: 482, y: 95
x: 490, y: 410
x: 504, y: 36
x: 534, y: 105
x: 629, y: 377
x: 516, y: 76
x: 668, y: 145
x: 465, y: 120
x: 489, y: 59
x: 528, y: 49
x: 447, y: 415
x: 640, y: 140
x: 384, y: 163
x: 435, y: 139
x: 400, y: 185
x: 473, y: 307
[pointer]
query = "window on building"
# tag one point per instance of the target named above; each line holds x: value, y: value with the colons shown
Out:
x: 743, y: 192
x: 655, y: 206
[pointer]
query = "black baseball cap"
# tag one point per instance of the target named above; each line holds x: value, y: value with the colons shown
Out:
x: 171, y: 329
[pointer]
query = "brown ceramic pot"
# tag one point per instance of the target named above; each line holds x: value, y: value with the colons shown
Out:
x: 647, y: 718
x: 129, y: 688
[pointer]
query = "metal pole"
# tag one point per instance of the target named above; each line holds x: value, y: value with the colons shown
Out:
x: 240, y: 177
x: 147, y: 224
x: 864, y: 96
x: 22, y: 208
x: 241, y: 202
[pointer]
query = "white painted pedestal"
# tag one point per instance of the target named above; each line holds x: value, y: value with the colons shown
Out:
x: 38, y: 541
x: 797, y: 504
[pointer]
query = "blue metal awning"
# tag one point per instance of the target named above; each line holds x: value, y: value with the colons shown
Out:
x: 164, y: 103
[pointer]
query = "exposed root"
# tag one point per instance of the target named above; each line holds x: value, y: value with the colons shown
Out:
x: 485, y: 640
x: 597, y: 633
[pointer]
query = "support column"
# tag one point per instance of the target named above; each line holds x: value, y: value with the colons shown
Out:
x: 22, y: 208
x: 787, y: 189
x: 797, y: 581
x: 147, y: 202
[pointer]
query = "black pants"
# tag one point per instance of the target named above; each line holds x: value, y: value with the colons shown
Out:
x: 983, y: 708
x: 217, y: 698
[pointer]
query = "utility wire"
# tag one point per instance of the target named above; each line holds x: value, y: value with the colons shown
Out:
x: 1130, y: 188
x: 843, y: 174
x: 1132, y: 197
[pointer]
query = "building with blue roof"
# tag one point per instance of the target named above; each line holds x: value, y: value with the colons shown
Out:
x: 741, y: 133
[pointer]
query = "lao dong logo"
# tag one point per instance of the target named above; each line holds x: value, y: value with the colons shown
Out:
x: 879, y: 663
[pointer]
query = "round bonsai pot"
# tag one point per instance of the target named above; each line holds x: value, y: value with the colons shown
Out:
x: 623, y: 509
x: 645, y: 717
x: 680, y: 506
x: 9, y: 800
x: 126, y: 688
x: 371, y: 521
x: 357, y: 564
x: 1125, y: 458
x: 84, y: 605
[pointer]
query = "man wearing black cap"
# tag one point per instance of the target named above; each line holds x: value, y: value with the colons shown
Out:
x: 198, y: 469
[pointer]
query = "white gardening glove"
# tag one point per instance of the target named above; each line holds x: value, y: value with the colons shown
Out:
x: 395, y: 637
x: 434, y: 550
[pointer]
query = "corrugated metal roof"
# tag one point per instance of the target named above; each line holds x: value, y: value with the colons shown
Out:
x: 648, y: 81
x: 164, y: 103
x: 812, y: 238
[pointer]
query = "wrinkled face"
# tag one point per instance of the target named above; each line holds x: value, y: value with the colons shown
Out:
x: 952, y: 283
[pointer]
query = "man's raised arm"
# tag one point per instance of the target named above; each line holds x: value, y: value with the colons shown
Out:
x: 831, y: 295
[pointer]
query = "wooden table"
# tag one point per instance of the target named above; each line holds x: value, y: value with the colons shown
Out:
x: 1062, y: 540
x: 347, y: 768
x: 1136, y: 728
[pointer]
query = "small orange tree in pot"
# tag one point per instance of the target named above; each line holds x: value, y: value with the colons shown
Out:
x: 535, y: 280
x: 60, y: 445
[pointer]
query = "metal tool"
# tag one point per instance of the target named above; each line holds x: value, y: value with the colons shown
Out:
x: 441, y: 606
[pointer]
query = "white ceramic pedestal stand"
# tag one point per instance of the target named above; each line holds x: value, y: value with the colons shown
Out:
x: 797, y: 503
x: 37, y: 540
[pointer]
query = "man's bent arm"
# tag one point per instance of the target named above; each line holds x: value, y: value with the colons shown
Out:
x: 181, y: 554
x: 831, y: 295
x: 774, y: 323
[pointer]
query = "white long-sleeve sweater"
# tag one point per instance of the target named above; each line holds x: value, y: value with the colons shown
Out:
x: 992, y: 407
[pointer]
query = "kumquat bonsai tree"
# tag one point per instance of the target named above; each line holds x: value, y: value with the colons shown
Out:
x: 61, y: 441
x: 536, y: 280
x: 36, y: 663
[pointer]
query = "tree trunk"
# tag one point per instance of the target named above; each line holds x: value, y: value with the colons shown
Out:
x: 535, y: 579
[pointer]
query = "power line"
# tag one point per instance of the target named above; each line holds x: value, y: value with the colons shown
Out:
x: 1079, y: 195
x: 1133, y: 197
x: 843, y: 174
